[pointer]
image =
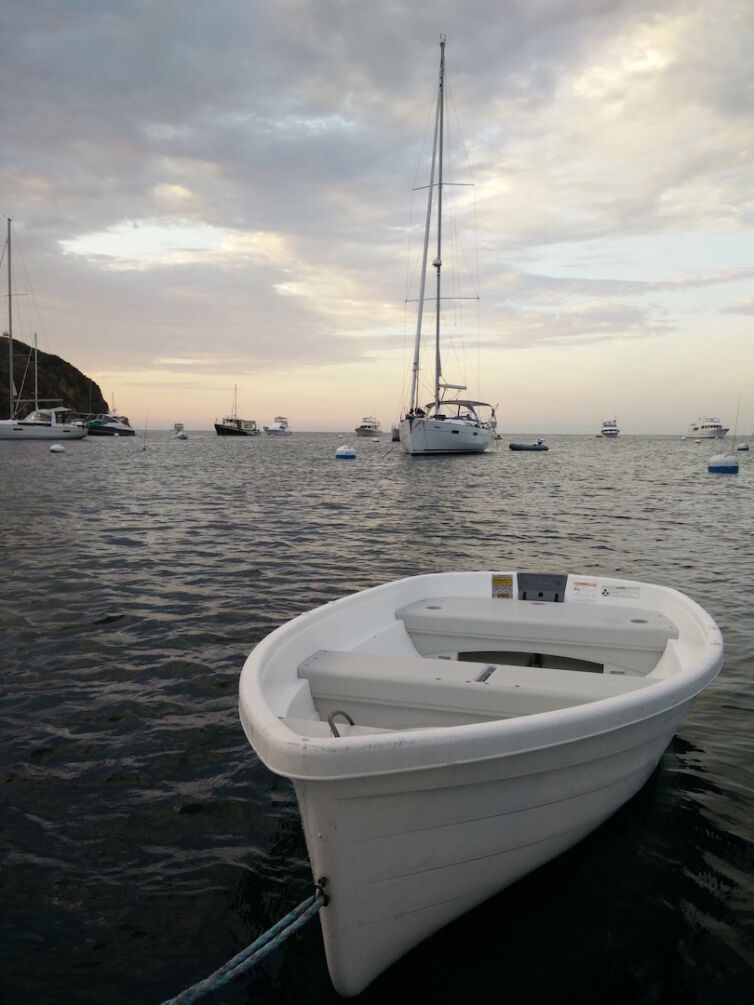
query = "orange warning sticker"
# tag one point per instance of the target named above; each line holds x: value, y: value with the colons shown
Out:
x: 502, y: 587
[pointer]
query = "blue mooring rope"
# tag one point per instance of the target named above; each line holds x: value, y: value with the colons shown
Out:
x: 248, y: 957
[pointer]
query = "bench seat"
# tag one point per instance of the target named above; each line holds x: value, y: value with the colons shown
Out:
x: 458, y: 691
x: 632, y: 638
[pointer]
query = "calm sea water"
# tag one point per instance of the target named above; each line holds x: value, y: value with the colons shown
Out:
x: 143, y: 842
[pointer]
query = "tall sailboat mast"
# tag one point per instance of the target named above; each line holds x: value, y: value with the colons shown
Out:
x: 438, y: 258
x: 11, y: 386
x: 36, y: 373
x: 427, y: 227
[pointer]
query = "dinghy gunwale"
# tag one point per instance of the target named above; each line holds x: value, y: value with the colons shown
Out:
x: 684, y: 669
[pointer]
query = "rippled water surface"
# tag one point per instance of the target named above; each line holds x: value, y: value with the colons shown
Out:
x: 143, y: 842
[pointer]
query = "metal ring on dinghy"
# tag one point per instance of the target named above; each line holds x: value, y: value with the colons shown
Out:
x: 331, y: 721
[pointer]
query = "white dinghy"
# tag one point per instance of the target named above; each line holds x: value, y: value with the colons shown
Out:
x: 446, y: 734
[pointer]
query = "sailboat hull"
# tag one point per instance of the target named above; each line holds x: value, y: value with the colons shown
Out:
x: 13, y: 429
x: 443, y: 436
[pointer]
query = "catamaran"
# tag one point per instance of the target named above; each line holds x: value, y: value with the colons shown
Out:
x: 449, y: 424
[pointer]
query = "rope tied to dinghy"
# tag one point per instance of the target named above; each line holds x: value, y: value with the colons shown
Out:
x: 260, y: 948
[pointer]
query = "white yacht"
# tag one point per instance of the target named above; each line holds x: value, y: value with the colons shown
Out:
x: 278, y: 428
x: 609, y: 428
x: 448, y: 424
x: 369, y: 427
x: 706, y: 427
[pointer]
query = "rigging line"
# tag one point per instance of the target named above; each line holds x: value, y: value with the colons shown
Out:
x: 23, y: 319
x: 404, y: 393
x: 472, y: 272
x: 471, y: 267
x: 433, y: 300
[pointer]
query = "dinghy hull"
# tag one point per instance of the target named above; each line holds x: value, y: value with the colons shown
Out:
x: 461, y: 775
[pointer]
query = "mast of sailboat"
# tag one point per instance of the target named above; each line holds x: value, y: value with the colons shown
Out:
x: 438, y: 259
x: 420, y: 312
x: 11, y: 387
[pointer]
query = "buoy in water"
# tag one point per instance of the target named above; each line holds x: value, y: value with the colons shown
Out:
x: 345, y: 453
x: 742, y: 446
x: 57, y: 448
x: 723, y: 464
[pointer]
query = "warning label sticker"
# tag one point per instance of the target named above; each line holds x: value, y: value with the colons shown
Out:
x: 502, y: 587
x: 584, y: 591
x: 624, y: 592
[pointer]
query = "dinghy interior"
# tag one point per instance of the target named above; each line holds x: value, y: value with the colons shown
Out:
x: 451, y: 660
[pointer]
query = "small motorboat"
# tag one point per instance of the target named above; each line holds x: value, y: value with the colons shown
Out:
x: 369, y: 427
x: 448, y: 733
x: 539, y: 445
x: 109, y: 424
x: 278, y: 428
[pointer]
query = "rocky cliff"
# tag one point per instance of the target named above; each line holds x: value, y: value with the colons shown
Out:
x: 55, y: 379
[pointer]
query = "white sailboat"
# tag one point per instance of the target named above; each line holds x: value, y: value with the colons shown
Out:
x: 449, y: 424
x: 41, y: 423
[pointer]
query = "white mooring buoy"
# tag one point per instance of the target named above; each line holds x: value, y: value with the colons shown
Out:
x: 723, y: 464
x: 57, y: 448
x: 345, y: 453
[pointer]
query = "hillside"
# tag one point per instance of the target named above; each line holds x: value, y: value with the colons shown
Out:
x: 56, y: 379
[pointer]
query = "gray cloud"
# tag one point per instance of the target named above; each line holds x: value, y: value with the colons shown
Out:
x: 304, y: 120
x: 744, y: 307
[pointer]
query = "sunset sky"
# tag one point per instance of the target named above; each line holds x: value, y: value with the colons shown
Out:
x: 215, y: 194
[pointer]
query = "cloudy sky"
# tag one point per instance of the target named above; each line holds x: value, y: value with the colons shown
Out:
x: 211, y: 194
